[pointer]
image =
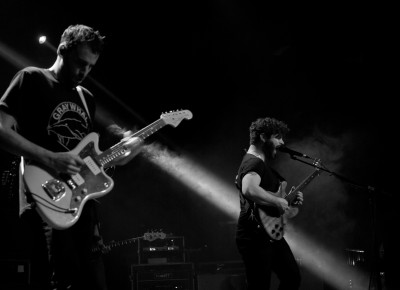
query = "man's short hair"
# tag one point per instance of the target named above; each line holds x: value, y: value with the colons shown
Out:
x: 78, y: 34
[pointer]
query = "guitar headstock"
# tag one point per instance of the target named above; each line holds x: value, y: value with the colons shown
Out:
x: 174, y: 118
x: 151, y: 236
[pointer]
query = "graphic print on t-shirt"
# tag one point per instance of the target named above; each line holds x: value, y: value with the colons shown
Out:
x: 70, y: 123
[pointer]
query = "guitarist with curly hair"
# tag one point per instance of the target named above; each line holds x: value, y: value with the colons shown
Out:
x: 259, y: 238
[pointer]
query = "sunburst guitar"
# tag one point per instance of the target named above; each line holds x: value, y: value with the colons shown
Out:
x: 59, y: 199
x: 275, y: 223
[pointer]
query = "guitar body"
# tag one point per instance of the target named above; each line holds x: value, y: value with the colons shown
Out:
x: 269, y: 216
x: 59, y: 199
x: 273, y: 222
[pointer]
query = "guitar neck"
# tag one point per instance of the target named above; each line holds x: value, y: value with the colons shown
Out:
x: 121, y: 243
x: 119, y: 149
x: 291, y: 196
x: 150, y: 129
x: 150, y: 236
x: 115, y: 244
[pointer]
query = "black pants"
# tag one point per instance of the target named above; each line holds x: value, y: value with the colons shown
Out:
x: 261, y: 257
x: 61, y: 259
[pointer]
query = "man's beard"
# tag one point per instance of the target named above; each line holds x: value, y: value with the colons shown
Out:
x: 268, y: 148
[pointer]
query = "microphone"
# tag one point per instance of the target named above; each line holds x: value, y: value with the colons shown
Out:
x: 291, y: 152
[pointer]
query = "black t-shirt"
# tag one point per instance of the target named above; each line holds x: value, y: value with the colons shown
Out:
x: 270, y: 181
x: 48, y: 113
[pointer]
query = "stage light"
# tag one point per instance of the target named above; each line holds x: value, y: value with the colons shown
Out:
x: 42, y: 39
x: 13, y: 57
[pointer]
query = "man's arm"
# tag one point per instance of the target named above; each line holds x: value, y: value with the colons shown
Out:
x: 251, y: 189
x: 14, y: 143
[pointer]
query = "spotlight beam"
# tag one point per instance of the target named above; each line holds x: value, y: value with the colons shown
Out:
x: 201, y: 181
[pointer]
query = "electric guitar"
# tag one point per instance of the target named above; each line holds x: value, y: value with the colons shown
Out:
x: 149, y: 236
x: 273, y: 222
x: 59, y: 198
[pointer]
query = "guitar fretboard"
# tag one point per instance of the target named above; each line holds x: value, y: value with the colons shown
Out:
x: 291, y: 196
x: 119, y: 149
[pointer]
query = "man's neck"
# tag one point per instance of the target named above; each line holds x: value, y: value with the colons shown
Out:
x: 256, y: 152
x: 56, y: 67
x: 59, y: 73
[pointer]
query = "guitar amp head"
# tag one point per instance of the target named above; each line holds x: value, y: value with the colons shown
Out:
x: 169, y: 249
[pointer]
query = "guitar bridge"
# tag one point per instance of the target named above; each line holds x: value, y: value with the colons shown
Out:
x: 54, y: 189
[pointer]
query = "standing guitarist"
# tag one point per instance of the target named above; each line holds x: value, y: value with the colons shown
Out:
x: 260, y: 186
x: 44, y: 114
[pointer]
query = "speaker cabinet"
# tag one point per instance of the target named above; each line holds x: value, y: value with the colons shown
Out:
x: 231, y: 275
x: 162, y: 276
x: 221, y: 282
x: 228, y: 275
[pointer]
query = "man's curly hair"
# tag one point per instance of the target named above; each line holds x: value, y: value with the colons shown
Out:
x: 78, y: 34
x: 268, y: 126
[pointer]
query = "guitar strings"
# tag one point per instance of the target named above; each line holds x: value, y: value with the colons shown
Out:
x: 154, y: 127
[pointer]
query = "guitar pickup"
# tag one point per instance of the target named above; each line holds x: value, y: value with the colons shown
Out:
x: 91, y: 164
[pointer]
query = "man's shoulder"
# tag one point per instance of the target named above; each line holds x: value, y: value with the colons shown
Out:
x: 251, y: 159
x: 252, y: 163
x: 33, y: 70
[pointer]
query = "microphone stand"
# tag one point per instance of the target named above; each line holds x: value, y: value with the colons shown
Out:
x: 375, y: 273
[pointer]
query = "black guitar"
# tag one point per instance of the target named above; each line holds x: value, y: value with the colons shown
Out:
x: 149, y: 236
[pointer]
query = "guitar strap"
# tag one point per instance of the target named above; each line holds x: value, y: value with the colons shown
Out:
x: 79, y: 89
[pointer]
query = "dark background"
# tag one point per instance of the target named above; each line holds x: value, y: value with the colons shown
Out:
x: 327, y: 71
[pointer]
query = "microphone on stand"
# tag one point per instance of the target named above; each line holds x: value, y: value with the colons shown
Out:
x: 291, y: 152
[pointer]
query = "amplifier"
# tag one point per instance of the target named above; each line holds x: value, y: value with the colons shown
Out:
x: 170, y: 249
x: 163, y: 276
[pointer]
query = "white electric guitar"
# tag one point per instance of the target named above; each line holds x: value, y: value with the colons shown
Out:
x: 59, y: 199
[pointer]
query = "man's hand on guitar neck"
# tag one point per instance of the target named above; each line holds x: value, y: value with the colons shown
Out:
x: 294, y: 206
x: 298, y: 201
